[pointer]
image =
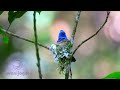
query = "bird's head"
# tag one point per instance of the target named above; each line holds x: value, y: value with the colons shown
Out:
x: 62, y: 36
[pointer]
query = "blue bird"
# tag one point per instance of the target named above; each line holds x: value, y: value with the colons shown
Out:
x: 62, y: 36
x: 62, y: 41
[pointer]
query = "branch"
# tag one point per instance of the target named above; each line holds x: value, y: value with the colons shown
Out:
x: 108, y: 13
x: 70, y: 73
x: 68, y: 67
x: 36, y: 46
x: 15, y: 35
x: 76, y: 23
x: 67, y: 71
x: 8, y: 27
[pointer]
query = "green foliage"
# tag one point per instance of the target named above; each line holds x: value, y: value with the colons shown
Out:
x: 1, y: 32
x: 64, y: 55
x: 114, y: 75
x: 4, y: 36
x: 5, y: 39
x: 12, y: 15
x: 62, y: 64
x: 70, y: 45
x: 1, y: 12
x: 39, y: 12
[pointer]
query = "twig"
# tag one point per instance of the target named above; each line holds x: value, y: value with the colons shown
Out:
x: 70, y: 73
x: 8, y: 27
x: 76, y: 23
x: 67, y: 71
x: 15, y: 35
x: 108, y: 13
x: 68, y: 68
x: 36, y: 46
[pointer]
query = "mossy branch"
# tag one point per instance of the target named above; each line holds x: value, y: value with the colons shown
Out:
x: 36, y: 45
x: 22, y: 38
x: 68, y: 67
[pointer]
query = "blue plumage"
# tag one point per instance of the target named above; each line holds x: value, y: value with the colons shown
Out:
x: 63, y: 43
x: 62, y: 36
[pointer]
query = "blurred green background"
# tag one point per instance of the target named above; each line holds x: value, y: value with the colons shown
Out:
x: 95, y: 59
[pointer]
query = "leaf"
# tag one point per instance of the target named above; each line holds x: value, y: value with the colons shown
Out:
x: 1, y: 12
x: 70, y: 45
x: 39, y: 12
x: 114, y: 75
x: 4, y: 36
x: 5, y: 39
x: 19, y: 14
x: 12, y: 15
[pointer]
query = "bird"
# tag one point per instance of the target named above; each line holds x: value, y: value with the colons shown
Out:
x: 62, y: 37
x: 63, y: 41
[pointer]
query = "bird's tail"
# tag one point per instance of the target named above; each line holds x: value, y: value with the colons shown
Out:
x: 73, y: 59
